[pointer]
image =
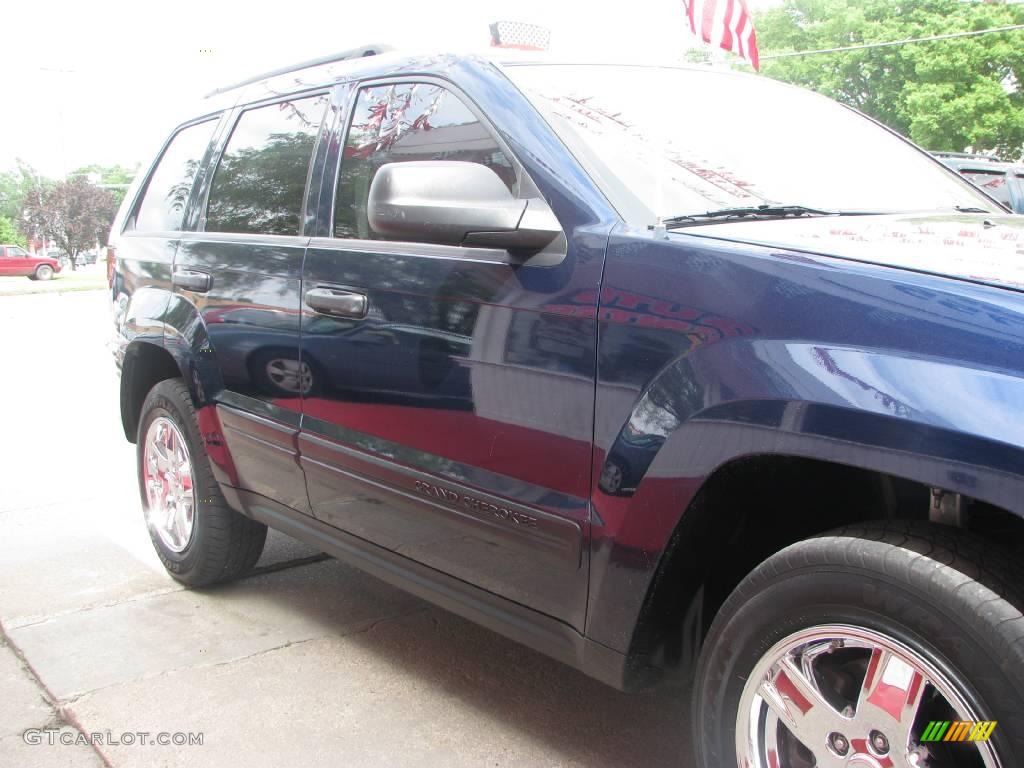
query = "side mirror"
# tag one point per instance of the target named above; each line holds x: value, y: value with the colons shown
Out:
x: 457, y: 203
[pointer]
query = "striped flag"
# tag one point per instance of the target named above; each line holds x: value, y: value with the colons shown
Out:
x: 725, y: 23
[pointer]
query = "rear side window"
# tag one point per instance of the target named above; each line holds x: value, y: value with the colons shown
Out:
x: 259, y: 184
x: 407, y: 121
x: 170, y: 185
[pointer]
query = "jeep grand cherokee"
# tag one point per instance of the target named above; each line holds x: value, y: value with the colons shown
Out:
x: 652, y: 369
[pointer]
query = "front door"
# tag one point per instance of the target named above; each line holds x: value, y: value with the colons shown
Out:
x: 241, y: 272
x: 18, y: 262
x: 452, y: 416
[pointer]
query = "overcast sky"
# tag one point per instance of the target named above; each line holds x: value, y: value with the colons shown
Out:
x: 102, y: 82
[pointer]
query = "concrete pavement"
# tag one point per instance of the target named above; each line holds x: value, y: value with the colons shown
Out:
x: 305, y: 662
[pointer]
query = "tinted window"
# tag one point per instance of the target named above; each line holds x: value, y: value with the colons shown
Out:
x: 259, y: 185
x: 407, y: 121
x: 168, y: 190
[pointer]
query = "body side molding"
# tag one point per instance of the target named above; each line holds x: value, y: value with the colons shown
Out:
x: 557, y: 539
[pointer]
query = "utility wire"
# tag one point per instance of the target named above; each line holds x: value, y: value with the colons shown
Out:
x: 950, y: 36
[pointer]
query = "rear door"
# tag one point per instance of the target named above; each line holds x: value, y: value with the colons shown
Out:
x: 452, y: 416
x: 241, y: 273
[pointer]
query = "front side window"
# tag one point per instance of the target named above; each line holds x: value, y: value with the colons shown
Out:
x: 259, y: 185
x: 18, y: 252
x: 402, y: 122
x: 170, y: 186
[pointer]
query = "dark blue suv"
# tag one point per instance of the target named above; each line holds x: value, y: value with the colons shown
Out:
x: 676, y: 375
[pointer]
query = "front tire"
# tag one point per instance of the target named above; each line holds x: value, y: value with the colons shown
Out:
x: 44, y: 272
x: 199, y: 539
x: 842, y: 649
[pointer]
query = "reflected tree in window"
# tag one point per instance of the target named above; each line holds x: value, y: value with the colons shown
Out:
x: 402, y: 122
x: 178, y: 194
x: 170, y: 185
x: 259, y: 184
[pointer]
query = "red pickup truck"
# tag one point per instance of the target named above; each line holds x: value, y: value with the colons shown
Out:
x: 15, y: 260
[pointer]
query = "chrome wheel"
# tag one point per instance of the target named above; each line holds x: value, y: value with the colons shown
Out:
x: 290, y: 375
x: 169, y: 483
x: 840, y: 696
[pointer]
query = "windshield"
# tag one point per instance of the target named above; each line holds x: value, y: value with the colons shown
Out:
x: 667, y: 142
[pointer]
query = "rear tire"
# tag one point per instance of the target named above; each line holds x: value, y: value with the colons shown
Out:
x: 198, y: 537
x: 931, y: 603
x: 44, y: 272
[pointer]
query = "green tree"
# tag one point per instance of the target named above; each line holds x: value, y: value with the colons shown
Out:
x: 9, y: 235
x: 258, y: 190
x: 116, y: 178
x: 75, y: 214
x: 945, y: 95
x: 15, y: 185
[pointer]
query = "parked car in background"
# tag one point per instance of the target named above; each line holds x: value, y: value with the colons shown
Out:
x: 1003, y: 181
x: 15, y: 260
x: 84, y: 258
x: 641, y: 366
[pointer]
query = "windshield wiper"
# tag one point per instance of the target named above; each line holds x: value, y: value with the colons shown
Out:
x: 751, y: 213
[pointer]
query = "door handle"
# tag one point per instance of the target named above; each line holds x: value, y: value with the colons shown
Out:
x: 192, y: 280
x: 337, y: 302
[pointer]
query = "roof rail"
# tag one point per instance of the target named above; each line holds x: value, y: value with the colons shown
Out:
x: 967, y: 156
x: 353, y: 53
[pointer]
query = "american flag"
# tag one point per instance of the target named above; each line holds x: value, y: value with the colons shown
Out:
x: 725, y: 23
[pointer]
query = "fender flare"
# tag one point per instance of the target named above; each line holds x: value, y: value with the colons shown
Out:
x: 868, y: 409
x: 174, y: 329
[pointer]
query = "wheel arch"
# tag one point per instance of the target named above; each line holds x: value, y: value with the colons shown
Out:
x: 748, y: 505
x: 843, y: 413
x: 180, y: 348
x: 145, y: 364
